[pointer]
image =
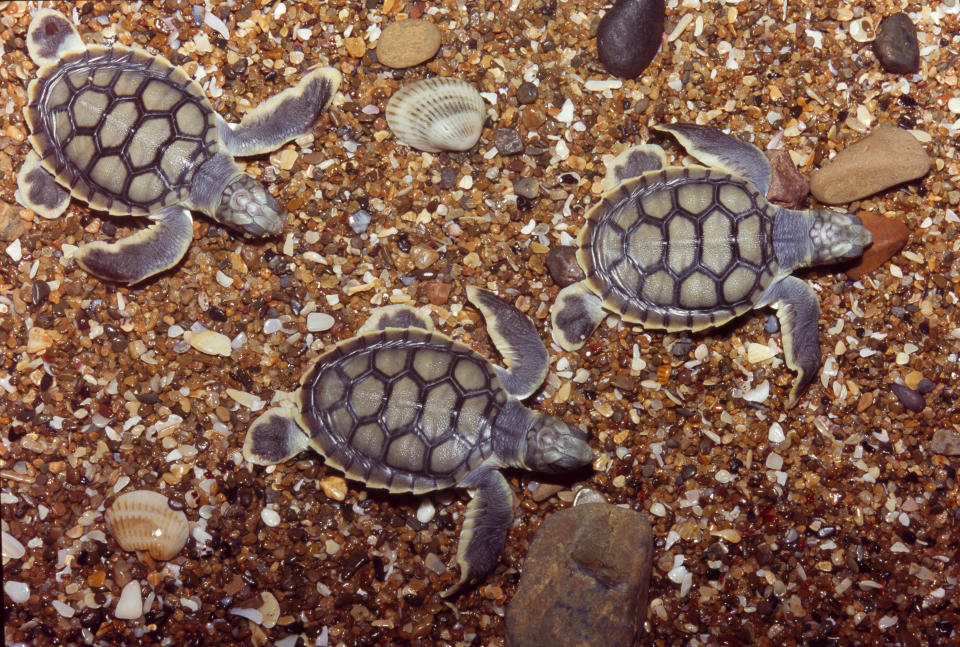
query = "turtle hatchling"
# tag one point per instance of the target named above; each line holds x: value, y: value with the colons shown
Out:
x: 687, y: 248
x: 131, y: 134
x: 404, y: 407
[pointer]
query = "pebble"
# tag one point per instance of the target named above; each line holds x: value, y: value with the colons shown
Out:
x: 889, y: 237
x: 38, y: 340
x: 359, y: 221
x: 437, y: 293
x: 334, y: 487
x: 945, y: 442
x: 448, y: 177
x: 426, y: 511
x: 563, y: 266
x: 130, y: 604
x: 209, y: 342
x: 12, y: 548
x: 272, y: 325
x: 18, y: 592
x: 423, y: 256
x: 788, y: 187
x: 896, y: 45
x: 585, y: 579
x: 886, y: 157
x: 406, y: 43
x: 15, y: 251
x: 910, y: 399
x: 526, y: 93
x: 270, y: 517
x: 319, y: 321
x: 528, y: 187
x: 355, y: 46
x: 507, y: 141
x: 629, y: 36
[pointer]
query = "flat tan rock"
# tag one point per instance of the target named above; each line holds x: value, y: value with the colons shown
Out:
x: 886, y: 157
x: 406, y: 43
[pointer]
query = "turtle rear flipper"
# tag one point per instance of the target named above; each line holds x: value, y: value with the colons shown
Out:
x: 633, y: 162
x: 516, y: 338
x: 397, y: 315
x: 50, y: 36
x: 485, y: 526
x: 274, y: 437
x: 282, y: 117
x: 798, y: 311
x: 38, y: 190
x: 575, y: 315
x: 143, y: 253
x: 723, y: 152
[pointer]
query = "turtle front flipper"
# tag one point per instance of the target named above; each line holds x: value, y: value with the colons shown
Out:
x: 516, y: 338
x: 274, y: 437
x: 397, y: 315
x: 50, y: 36
x: 143, y: 253
x: 633, y: 162
x: 575, y: 315
x: 798, y: 310
x: 724, y: 152
x: 38, y: 190
x: 282, y: 117
x: 485, y: 526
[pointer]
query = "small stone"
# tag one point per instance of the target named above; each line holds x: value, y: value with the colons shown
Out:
x: 18, y: 592
x: 945, y: 442
x: 563, y: 266
x: 910, y: 399
x: 886, y: 157
x: 423, y: 256
x: 334, y: 487
x: 38, y: 340
x: 507, y: 141
x: 270, y: 517
x: 896, y: 45
x: 526, y: 93
x: 406, y: 43
x: 448, y: 177
x: 209, y: 342
x: 788, y: 187
x: 528, y: 187
x: 359, y: 221
x: 437, y: 293
x: 319, y: 321
x: 629, y: 36
x: 355, y: 46
x: 130, y: 604
x: 585, y: 579
x: 426, y: 511
x: 889, y: 237
x: 15, y: 251
x: 925, y: 386
x: 12, y: 226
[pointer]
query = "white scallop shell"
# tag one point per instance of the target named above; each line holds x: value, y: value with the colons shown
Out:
x: 144, y: 520
x: 437, y: 114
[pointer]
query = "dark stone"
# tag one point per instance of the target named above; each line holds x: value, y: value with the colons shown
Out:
x: 908, y: 397
x: 945, y: 442
x: 507, y: 141
x: 528, y: 187
x: 526, y: 93
x: 925, y: 386
x: 563, y: 266
x: 39, y: 292
x: 896, y: 45
x: 787, y: 187
x: 448, y: 177
x: 585, y: 580
x: 629, y: 36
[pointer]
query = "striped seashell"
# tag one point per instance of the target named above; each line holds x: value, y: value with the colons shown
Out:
x: 437, y: 114
x: 144, y: 520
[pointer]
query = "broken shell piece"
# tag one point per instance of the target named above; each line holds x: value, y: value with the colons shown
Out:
x: 12, y: 548
x: 209, y: 342
x: 436, y: 114
x: 144, y: 520
x: 270, y: 609
x: 861, y: 30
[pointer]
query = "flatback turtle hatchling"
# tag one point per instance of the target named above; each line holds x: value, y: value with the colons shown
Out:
x: 687, y: 248
x: 404, y: 407
x: 131, y: 134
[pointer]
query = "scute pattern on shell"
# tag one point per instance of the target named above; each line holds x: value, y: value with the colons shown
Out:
x: 121, y: 129
x: 437, y: 114
x: 406, y: 410
x: 144, y: 520
x: 682, y: 248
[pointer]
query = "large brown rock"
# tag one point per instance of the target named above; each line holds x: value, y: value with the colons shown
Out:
x: 406, y: 43
x: 585, y: 580
x: 886, y: 157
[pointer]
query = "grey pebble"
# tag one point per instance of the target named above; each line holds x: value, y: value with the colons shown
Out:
x: 507, y: 141
x: 39, y: 292
x: 772, y: 325
x: 910, y: 399
x: 563, y: 266
x: 528, y: 187
x: 925, y: 386
x: 681, y: 348
x: 896, y: 45
x: 688, y: 471
x: 526, y: 93
x: 629, y: 36
x: 359, y: 221
x: 448, y: 177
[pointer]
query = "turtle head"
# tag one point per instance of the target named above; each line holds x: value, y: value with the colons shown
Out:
x: 247, y: 207
x: 553, y: 446
x: 836, y: 236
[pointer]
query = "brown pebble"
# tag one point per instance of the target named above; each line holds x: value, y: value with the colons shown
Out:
x: 886, y: 157
x: 946, y: 442
x: 423, y: 256
x: 12, y: 226
x: 889, y: 237
x: 97, y: 578
x: 334, y: 487
x: 355, y: 46
x: 406, y: 43
x: 437, y: 293
x: 788, y: 187
x: 563, y: 266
